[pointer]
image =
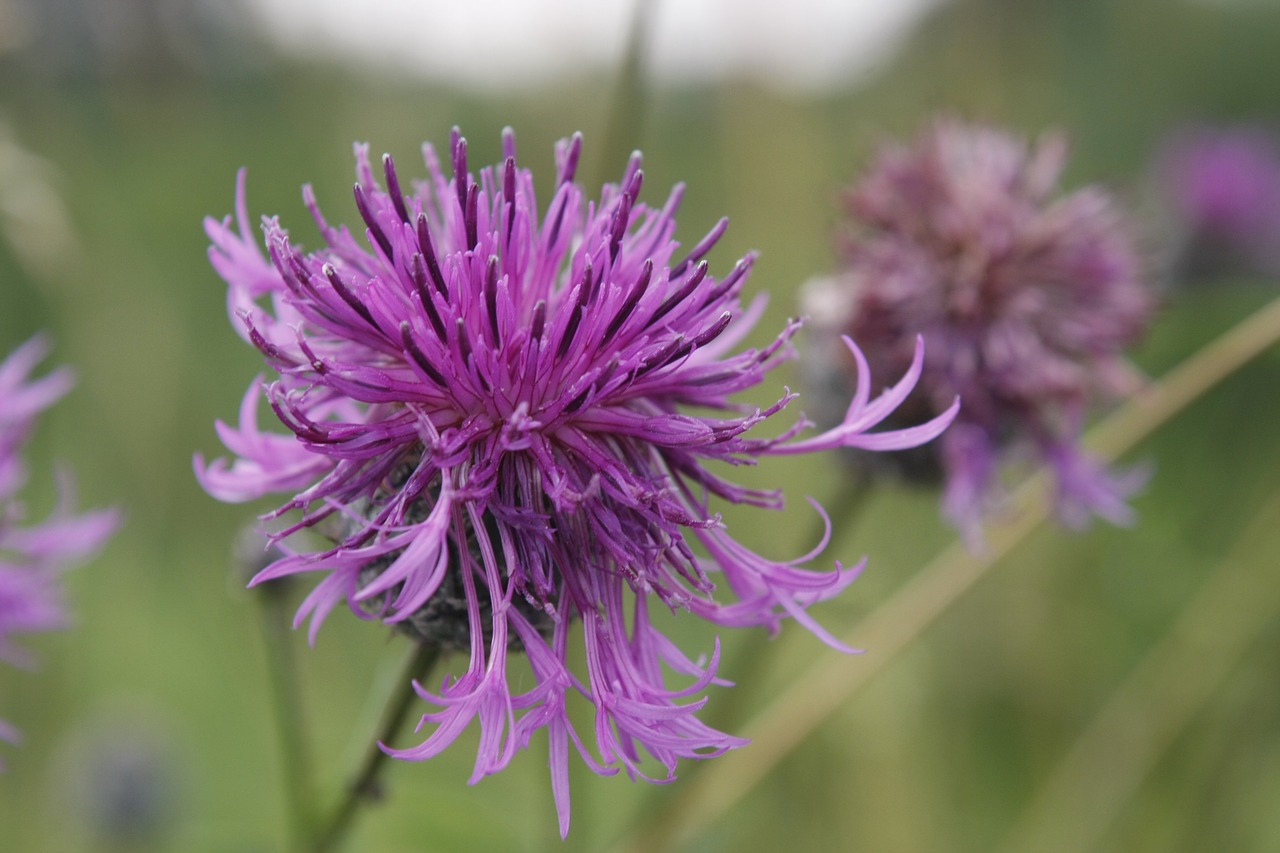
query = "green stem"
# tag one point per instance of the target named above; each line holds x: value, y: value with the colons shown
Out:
x: 278, y: 638
x: 816, y: 694
x: 364, y: 786
x: 629, y: 102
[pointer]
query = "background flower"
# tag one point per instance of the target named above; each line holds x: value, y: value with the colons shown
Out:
x: 1027, y: 298
x: 1222, y: 188
x: 34, y: 554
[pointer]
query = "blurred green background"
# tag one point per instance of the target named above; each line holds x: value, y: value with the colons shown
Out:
x: 946, y: 751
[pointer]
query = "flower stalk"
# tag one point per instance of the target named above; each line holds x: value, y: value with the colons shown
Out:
x: 286, y: 702
x: 629, y: 104
x: 364, y: 787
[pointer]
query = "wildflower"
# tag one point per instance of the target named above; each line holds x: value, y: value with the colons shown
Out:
x: 489, y: 418
x: 33, y: 556
x: 1026, y: 297
x: 120, y: 781
x: 1223, y: 190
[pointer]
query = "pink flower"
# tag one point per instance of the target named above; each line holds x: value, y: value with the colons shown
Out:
x: 33, y: 555
x: 1027, y: 298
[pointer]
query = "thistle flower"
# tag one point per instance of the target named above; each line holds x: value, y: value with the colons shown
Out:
x: 1223, y: 190
x: 33, y: 556
x: 489, y: 418
x: 1026, y: 296
x: 120, y: 781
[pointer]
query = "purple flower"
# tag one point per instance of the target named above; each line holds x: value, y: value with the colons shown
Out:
x: 120, y: 778
x: 501, y: 419
x: 1223, y: 186
x: 33, y: 555
x: 1026, y: 298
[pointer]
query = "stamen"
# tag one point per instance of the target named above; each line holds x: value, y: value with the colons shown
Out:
x: 570, y: 329
x: 491, y: 299
x: 704, y: 246
x: 695, y: 279
x: 418, y: 356
x: 472, y: 214
x: 348, y: 297
x: 461, y: 177
x: 509, y: 194
x: 429, y: 254
x: 366, y: 213
x: 571, y: 155
x: 393, y: 188
x: 419, y: 273
x: 539, y: 319
x: 621, y: 219
x: 637, y: 290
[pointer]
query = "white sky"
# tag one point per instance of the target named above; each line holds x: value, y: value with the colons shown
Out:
x: 792, y: 44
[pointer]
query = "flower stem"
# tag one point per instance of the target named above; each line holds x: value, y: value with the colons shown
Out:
x: 629, y: 102
x: 364, y: 786
x: 816, y: 694
x: 278, y: 637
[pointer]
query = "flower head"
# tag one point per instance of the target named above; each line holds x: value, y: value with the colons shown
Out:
x: 1026, y: 298
x: 33, y: 555
x: 1223, y: 188
x: 499, y: 416
x: 121, y: 779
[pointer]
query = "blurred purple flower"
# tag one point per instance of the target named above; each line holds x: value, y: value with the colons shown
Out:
x: 33, y: 555
x: 489, y: 419
x: 121, y: 779
x: 1223, y: 185
x: 1025, y: 298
